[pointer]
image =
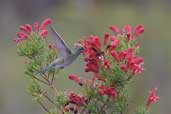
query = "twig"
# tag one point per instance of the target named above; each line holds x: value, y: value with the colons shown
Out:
x: 48, y: 98
x: 52, y: 78
x: 103, y: 106
x: 129, y: 77
x: 45, y: 77
x: 83, y: 110
x: 44, y: 107
x: 40, y: 80
x: 88, y: 100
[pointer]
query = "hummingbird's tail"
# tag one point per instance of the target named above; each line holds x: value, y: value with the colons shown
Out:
x: 42, y: 71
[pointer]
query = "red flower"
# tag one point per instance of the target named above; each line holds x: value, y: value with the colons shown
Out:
x: 135, y: 64
x: 75, y: 79
x: 123, y: 54
x: 130, y: 51
x: 123, y: 67
x: 127, y: 29
x: 103, y: 90
x: 29, y: 28
x: 36, y: 26
x: 114, y: 29
x: 106, y: 64
x: 51, y: 46
x: 92, y: 67
x: 138, y: 30
x: 45, y: 23
x: 76, y: 99
x: 152, y: 97
x: 114, y: 43
x: 95, y: 41
x: 44, y: 33
x: 22, y: 35
x: 92, y: 47
x: 106, y: 38
x: 26, y: 30
x: 113, y: 37
x: 115, y: 55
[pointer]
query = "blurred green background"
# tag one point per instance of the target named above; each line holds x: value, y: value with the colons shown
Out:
x: 77, y: 18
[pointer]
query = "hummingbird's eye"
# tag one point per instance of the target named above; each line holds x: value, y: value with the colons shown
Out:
x: 81, y: 48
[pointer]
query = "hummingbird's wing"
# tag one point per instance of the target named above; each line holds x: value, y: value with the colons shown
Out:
x: 60, y: 44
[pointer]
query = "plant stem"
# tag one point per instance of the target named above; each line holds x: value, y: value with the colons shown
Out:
x: 40, y: 80
x: 49, y: 99
x: 45, y: 78
x: 52, y: 78
x: 41, y: 104
x: 103, y: 106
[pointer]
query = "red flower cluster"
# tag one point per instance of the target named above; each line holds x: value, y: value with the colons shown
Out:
x: 91, y: 48
x: 127, y: 30
x: 133, y: 63
x: 119, y: 47
x: 76, y: 99
x: 27, y: 29
x: 152, y: 97
x: 103, y: 90
x: 94, y: 54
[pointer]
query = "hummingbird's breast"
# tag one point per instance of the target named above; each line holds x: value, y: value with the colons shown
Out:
x: 69, y: 60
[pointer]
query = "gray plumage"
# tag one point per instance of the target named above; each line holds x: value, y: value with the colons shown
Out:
x: 66, y: 56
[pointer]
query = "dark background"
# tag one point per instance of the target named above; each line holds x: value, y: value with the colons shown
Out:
x: 74, y: 19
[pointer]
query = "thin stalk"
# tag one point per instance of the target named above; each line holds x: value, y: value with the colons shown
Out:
x: 52, y: 78
x: 49, y: 99
x: 41, y: 104
x: 45, y: 78
x: 40, y: 80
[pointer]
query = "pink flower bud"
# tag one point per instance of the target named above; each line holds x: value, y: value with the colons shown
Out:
x: 139, y: 60
x: 46, y: 22
x: 74, y: 78
x: 22, y: 35
x: 24, y: 29
x: 127, y: 29
x: 44, y: 33
x: 138, y: 30
x: 29, y: 28
x: 114, y: 29
x: 36, y: 26
x: 106, y: 38
x: 130, y: 50
x: 115, y: 55
x: 114, y: 43
x: 76, y: 99
x: 123, y: 67
x: 112, y: 38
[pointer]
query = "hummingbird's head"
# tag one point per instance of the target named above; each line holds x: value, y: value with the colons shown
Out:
x: 79, y: 47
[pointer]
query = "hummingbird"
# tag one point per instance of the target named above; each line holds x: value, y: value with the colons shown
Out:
x: 66, y: 55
